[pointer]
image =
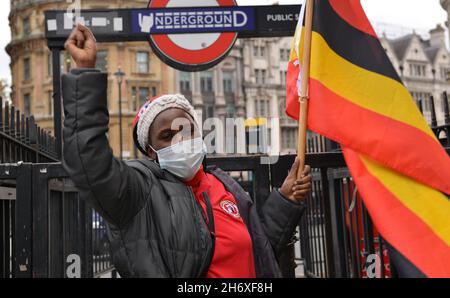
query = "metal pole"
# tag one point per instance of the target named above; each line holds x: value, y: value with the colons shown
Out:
x: 120, y: 119
x: 57, y: 122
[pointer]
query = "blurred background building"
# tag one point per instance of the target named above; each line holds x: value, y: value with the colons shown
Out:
x: 423, y: 65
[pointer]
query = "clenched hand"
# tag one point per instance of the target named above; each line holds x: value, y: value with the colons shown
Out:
x: 296, y: 189
x: 82, y: 46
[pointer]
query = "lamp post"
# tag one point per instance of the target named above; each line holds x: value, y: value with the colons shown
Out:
x: 119, y: 76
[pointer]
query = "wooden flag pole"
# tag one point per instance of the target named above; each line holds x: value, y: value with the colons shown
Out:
x: 304, y: 96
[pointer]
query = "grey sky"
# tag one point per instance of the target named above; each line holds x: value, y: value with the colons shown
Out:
x: 421, y: 15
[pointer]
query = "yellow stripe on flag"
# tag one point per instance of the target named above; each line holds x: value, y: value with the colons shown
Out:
x: 364, y: 88
x: 430, y: 205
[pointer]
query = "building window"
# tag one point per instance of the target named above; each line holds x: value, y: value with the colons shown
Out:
x: 260, y: 76
x: 208, y: 111
x: 206, y: 81
x: 281, y: 54
x: 185, y: 81
x: 259, y: 51
x: 142, y: 62
x: 102, y: 61
x: 262, y: 108
x: 26, y: 26
x: 423, y: 97
x: 255, y: 51
x: 445, y: 72
x: 26, y: 69
x: 154, y: 92
x: 27, y: 104
x: 228, y: 86
x: 143, y: 95
x: 289, y: 138
x: 262, y: 51
x: 417, y: 70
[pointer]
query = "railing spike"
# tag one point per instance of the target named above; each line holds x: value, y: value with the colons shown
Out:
x: 433, y: 112
x: 420, y: 105
x: 6, y: 117
x: 446, y: 109
x: 18, y: 124
x: 12, y: 130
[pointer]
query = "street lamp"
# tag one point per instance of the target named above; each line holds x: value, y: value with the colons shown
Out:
x: 119, y: 76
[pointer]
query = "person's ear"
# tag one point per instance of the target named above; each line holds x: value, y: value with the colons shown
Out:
x: 151, y: 153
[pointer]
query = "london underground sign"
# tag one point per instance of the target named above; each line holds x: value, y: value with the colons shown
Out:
x: 187, y: 38
x: 205, y: 47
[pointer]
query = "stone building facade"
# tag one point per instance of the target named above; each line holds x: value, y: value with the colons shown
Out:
x: 423, y: 66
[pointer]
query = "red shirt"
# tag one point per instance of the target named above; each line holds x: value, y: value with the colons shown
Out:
x: 233, y: 255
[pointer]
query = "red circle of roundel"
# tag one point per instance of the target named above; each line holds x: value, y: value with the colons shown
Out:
x: 198, y: 57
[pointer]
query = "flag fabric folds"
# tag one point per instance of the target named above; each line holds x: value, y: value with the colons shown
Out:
x: 358, y: 100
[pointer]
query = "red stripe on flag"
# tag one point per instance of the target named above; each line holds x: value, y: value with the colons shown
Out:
x: 420, y: 244
x: 292, y: 98
x: 352, y: 12
x: 394, y: 144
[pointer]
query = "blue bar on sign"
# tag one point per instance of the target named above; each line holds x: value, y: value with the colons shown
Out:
x: 193, y: 20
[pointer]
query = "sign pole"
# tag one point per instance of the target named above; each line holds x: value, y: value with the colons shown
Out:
x: 304, y: 95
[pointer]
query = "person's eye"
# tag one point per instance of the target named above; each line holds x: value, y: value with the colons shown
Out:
x: 167, y: 136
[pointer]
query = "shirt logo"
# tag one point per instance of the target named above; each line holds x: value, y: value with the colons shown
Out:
x: 230, y: 208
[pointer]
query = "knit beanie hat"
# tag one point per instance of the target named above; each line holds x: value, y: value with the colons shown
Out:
x: 153, y: 108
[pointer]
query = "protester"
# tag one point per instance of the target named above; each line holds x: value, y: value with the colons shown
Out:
x: 167, y: 215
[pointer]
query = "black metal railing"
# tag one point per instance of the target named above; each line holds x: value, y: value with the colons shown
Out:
x: 441, y: 131
x: 22, y: 140
x: 49, y: 231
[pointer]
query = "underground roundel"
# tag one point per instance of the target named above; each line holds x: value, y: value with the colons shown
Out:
x: 193, y: 51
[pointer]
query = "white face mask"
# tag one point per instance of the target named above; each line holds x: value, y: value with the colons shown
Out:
x: 182, y: 159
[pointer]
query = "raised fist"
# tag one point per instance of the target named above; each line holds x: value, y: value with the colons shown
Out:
x: 81, y: 45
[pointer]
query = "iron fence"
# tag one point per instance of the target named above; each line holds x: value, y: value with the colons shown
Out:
x: 41, y: 214
x: 46, y: 229
x: 49, y: 230
x: 22, y: 140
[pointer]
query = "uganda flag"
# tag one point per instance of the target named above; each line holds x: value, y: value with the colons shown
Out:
x: 358, y: 100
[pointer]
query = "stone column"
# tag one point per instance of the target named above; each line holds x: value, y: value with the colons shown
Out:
x: 196, y: 91
x: 240, y: 84
x: 219, y: 95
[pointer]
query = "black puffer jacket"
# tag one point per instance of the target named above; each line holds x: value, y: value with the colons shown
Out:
x: 156, y: 227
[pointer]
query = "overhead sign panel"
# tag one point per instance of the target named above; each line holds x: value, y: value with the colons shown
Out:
x: 123, y: 24
x: 187, y: 38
